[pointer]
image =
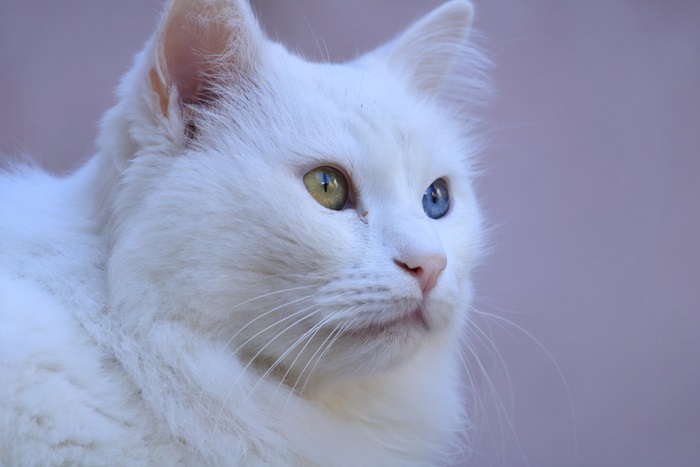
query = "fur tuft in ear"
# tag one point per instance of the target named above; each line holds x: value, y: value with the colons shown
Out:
x: 198, y: 42
x: 425, y: 53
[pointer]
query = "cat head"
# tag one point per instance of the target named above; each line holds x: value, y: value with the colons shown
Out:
x: 313, y: 218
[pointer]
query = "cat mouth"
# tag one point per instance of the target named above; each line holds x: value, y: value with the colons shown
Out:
x: 410, y: 322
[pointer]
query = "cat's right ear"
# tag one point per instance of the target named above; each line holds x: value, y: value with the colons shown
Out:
x: 426, y: 53
x: 200, y: 46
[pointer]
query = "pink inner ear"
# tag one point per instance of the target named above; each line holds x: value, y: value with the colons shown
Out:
x: 189, y: 46
x: 196, y: 40
x: 188, y: 80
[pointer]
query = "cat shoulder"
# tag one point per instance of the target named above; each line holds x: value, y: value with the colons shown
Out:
x: 59, y: 402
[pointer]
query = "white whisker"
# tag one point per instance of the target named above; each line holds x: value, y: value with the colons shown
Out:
x: 488, y: 343
x: 308, y: 336
x: 336, y: 333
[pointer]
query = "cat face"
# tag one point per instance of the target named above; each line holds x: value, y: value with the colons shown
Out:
x: 316, y: 220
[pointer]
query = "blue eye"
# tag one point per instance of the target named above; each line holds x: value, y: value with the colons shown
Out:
x: 436, y: 200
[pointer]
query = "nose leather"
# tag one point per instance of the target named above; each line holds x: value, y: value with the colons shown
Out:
x: 425, y: 268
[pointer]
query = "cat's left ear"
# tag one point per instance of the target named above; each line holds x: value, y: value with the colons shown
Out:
x: 199, y: 44
x: 426, y: 52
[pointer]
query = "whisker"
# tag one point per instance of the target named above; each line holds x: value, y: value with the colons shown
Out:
x: 270, y: 341
x: 279, y: 359
x: 250, y: 362
x: 325, y: 345
x: 336, y: 333
x: 228, y: 342
x: 262, y: 315
x: 501, y: 410
x: 309, y: 337
x: 505, y: 325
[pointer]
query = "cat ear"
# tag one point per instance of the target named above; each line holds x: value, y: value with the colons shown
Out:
x: 426, y: 52
x: 199, y: 42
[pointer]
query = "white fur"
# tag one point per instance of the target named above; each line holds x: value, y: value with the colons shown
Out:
x: 182, y: 299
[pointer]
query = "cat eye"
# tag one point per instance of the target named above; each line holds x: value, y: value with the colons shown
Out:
x: 436, y: 199
x: 328, y: 187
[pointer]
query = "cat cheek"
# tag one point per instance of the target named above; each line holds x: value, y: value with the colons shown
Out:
x: 448, y: 303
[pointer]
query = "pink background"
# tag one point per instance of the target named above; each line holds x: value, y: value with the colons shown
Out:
x: 592, y: 184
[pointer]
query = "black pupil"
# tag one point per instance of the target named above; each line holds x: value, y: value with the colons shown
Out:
x: 325, y: 182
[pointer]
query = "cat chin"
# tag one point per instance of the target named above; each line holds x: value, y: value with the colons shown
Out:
x: 385, y: 346
x: 406, y: 325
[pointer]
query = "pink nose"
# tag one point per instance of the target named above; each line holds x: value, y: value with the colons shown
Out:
x: 425, y: 268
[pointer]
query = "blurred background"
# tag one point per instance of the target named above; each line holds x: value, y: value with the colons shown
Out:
x: 591, y: 297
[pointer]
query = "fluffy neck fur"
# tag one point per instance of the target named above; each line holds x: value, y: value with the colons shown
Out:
x: 202, y: 246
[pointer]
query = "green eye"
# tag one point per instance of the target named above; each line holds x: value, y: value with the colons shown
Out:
x: 328, y: 186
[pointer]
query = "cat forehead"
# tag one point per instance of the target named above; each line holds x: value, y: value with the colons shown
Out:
x: 359, y: 117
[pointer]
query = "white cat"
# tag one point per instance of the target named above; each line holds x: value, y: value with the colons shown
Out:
x: 266, y: 263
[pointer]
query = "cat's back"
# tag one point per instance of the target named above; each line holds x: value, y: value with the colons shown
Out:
x: 50, y: 395
x: 48, y: 235
x: 38, y: 213
x: 60, y: 401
